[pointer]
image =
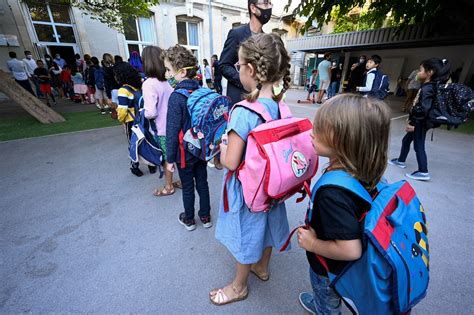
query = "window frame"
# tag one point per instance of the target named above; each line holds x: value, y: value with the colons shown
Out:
x: 53, y: 24
x: 192, y: 48
x: 141, y: 44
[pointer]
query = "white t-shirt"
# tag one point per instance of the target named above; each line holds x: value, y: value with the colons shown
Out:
x: 30, y: 65
x: 18, y: 69
x: 208, y: 73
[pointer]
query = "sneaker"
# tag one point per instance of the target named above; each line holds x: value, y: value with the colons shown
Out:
x: 189, y: 225
x: 419, y: 176
x: 152, y: 169
x: 206, y: 221
x: 307, y: 301
x: 397, y: 163
x: 97, y: 105
x: 136, y: 171
x: 102, y: 111
x: 210, y: 164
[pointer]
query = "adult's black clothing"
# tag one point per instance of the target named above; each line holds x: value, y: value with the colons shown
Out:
x: 109, y: 81
x: 357, y: 77
x: 230, y: 57
x: 336, y: 214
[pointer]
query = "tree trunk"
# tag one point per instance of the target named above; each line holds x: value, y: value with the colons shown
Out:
x: 30, y: 103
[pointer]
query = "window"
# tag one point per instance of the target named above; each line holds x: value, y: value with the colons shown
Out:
x: 188, y: 33
x: 52, y: 23
x: 139, y: 33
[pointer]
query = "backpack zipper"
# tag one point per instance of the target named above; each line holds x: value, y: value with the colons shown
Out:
x: 406, y: 270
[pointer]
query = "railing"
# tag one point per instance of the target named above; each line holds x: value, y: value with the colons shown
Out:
x: 411, y: 35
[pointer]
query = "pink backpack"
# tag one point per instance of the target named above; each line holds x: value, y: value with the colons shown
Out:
x: 279, y: 160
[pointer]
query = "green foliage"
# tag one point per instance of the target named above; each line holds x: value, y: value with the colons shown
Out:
x: 110, y: 12
x: 354, y: 22
x: 403, y: 12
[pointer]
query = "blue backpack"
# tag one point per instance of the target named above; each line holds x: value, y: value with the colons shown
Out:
x: 392, y: 274
x: 208, y: 111
x: 380, y: 86
x: 99, y: 78
x: 143, y: 146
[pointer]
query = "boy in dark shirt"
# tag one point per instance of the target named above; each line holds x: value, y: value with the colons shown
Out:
x: 181, y: 68
x: 44, y: 80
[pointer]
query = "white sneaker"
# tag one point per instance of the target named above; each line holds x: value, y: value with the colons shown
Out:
x: 210, y: 164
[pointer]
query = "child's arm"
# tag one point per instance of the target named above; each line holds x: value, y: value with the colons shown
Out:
x: 231, y: 153
x: 368, y: 83
x: 174, y: 124
x: 334, y: 249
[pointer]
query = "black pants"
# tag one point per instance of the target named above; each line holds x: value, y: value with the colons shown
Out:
x: 26, y: 85
x: 418, y: 138
x: 218, y: 85
x: 195, y: 173
x: 129, y: 135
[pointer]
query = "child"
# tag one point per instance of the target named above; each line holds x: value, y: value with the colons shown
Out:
x: 181, y: 66
x: 432, y: 72
x: 79, y: 86
x: 128, y: 97
x: 263, y: 61
x: 156, y: 93
x: 66, y: 81
x: 44, y: 80
x: 312, y: 87
x: 352, y: 131
x: 372, y: 66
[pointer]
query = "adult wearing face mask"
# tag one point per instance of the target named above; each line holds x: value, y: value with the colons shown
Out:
x: 260, y: 12
x: 30, y: 65
x: 59, y: 61
x: 357, y: 74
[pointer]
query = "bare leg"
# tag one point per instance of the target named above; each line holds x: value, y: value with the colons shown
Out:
x: 261, y: 268
x: 238, y: 286
x: 168, y: 178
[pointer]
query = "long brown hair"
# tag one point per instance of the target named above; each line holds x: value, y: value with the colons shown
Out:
x: 357, y: 129
x: 267, y: 53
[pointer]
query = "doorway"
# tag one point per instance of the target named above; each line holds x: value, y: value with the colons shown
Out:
x: 66, y: 52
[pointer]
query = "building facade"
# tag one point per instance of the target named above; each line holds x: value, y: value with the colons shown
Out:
x: 200, y: 25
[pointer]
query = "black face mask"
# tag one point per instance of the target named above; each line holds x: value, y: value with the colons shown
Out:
x: 265, y: 15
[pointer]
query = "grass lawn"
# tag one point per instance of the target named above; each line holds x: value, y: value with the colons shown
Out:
x: 467, y: 127
x: 28, y: 127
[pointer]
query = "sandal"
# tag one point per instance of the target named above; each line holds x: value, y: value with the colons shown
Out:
x: 261, y: 276
x: 219, y: 298
x: 178, y: 185
x: 162, y: 192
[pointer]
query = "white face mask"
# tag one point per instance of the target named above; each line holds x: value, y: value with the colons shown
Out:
x: 29, y: 56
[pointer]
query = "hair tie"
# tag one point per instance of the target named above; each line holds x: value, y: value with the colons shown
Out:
x: 259, y: 86
x: 444, y: 61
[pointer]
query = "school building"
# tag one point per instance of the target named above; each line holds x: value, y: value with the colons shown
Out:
x: 401, y: 51
x: 200, y: 25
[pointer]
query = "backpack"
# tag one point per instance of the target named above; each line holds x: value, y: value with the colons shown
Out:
x: 452, y: 105
x: 392, y: 274
x: 279, y: 159
x: 143, y: 146
x: 208, y: 111
x: 99, y: 78
x: 380, y: 86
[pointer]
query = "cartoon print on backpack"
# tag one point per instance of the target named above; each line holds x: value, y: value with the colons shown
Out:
x: 422, y: 246
x: 299, y: 164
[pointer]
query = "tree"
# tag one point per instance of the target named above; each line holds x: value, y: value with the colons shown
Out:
x: 448, y: 15
x: 110, y: 12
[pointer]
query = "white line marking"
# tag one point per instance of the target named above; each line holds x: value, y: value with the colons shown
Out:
x: 403, y: 116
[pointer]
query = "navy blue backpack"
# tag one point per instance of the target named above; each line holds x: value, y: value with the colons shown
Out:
x: 380, y: 86
x: 99, y: 78
x: 392, y: 274
x: 143, y: 146
x: 208, y: 111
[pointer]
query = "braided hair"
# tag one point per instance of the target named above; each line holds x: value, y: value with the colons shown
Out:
x: 267, y: 53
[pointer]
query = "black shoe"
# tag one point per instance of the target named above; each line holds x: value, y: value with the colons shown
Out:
x: 136, y: 171
x: 189, y: 225
x: 206, y: 221
x: 152, y: 169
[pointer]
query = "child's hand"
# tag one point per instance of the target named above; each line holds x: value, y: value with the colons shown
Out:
x: 306, y: 238
x: 170, y: 167
x: 409, y: 128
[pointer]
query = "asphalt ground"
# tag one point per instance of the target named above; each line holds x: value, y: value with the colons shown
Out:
x: 80, y: 234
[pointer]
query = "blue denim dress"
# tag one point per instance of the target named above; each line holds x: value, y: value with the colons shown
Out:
x: 247, y: 234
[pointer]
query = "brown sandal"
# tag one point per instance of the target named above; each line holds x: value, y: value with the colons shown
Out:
x: 262, y: 277
x: 219, y: 298
x: 162, y: 192
x: 178, y: 185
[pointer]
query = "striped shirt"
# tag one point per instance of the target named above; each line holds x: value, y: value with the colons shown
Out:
x: 126, y: 103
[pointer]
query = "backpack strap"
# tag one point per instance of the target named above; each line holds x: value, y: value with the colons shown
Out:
x: 187, y: 94
x: 284, y: 110
x: 255, y: 107
x: 184, y: 92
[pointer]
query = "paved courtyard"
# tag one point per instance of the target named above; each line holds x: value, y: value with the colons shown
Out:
x: 80, y: 234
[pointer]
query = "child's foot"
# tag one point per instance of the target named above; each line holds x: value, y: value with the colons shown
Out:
x: 206, y: 221
x: 419, y: 176
x: 263, y: 276
x: 162, y: 192
x: 228, y: 294
x: 102, y: 111
x: 396, y: 162
x: 136, y: 171
x: 189, y: 225
x: 307, y: 301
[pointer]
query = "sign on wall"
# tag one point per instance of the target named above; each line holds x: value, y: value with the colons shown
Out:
x: 9, y: 40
